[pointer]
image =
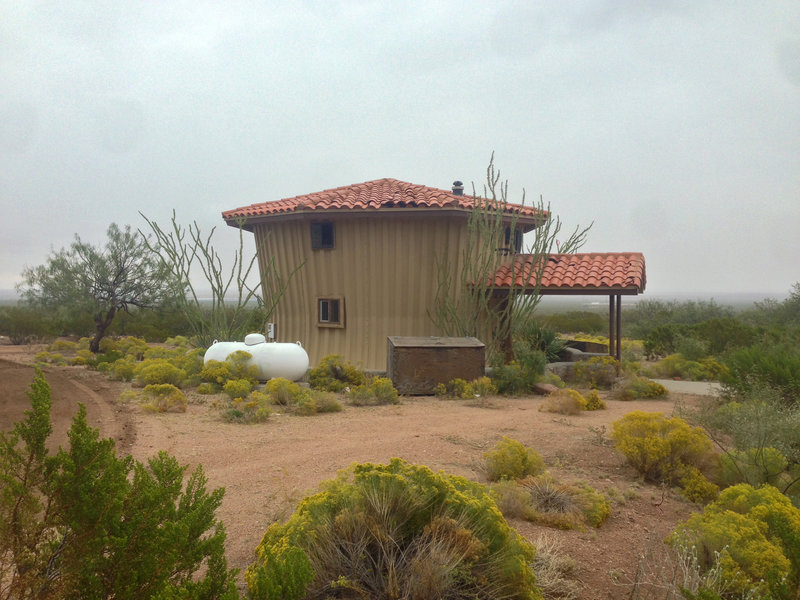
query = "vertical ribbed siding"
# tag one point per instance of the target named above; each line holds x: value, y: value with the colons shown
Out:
x: 384, y: 268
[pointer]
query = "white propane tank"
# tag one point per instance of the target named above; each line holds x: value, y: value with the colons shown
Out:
x: 273, y: 359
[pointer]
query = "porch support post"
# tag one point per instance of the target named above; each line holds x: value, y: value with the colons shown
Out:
x: 618, y: 320
x: 612, y: 328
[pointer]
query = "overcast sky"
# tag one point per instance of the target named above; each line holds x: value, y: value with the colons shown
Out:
x: 673, y: 126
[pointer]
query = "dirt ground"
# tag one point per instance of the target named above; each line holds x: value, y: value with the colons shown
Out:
x: 267, y: 468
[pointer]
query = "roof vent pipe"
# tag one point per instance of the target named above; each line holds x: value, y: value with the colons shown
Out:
x: 458, y: 188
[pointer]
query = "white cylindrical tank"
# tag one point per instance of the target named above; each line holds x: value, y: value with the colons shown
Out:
x: 273, y: 359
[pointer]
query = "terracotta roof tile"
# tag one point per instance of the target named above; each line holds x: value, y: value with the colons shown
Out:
x: 370, y: 195
x: 577, y: 272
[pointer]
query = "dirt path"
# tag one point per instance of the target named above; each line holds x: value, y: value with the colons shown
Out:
x: 266, y: 469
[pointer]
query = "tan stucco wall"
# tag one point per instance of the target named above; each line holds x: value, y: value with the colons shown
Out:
x: 383, y: 268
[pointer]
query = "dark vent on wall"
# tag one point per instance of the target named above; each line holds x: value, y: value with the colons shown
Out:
x: 458, y: 188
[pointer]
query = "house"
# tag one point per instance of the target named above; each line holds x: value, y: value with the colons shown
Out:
x: 361, y: 262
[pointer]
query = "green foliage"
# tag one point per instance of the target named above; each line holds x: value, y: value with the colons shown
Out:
x: 377, y: 391
x: 563, y: 506
x: 598, y: 372
x: 237, y: 388
x: 676, y: 365
x: 576, y: 321
x: 530, y: 335
x: 206, y: 388
x: 163, y: 397
x: 756, y: 533
x: 235, y: 366
x: 510, y: 459
x: 594, y: 401
x: 564, y: 402
x: 647, y: 315
x: 286, y: 393
x: 518, y: 377
x: 775, y: 366
x: 459, y: 388
x: 254, y: 409
x: 25, y: 324
x: 333, y: 374
x: 159, y: 370
x: 634, y: 388
x: 695, y: 486
x: 758, y: 432
x: 429, y: 536
x: 86, y: 523
x: 98, y: 282
x: 660, y: 448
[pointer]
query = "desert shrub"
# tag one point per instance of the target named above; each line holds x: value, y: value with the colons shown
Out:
x: 633, y: 388
x: 206, y: 388
x: 564, y: 402
x: 123, y: 369
x: 430, y: 536
x: 516, y: 378
x: 512, y: 500
x: 216, y: 372
x: 83, y: 357
x: 163, y: 397
x: 755, y: 466
x: 677, y: 366
x: 237, y: 388
x: 459, y: 388
x: 161, y: 352
x: 192, y: 364
x: 158, y: 370
x: 755, y: 430
x: 25, y: 324
x: 756, y: 533
x: 132, y: 346
x: 658, y: 447
x: 377, y: 391
x: 55, y: 358
x: 115, y: 527
x: 764, y: 365
x: 510, y: 459
x: 284, y: 392
x: 695, y: 486
x: 554, y: 569
x: 334, y: 374
x: 178, y: 340
x: 326, y: 402
x: 597, y: 372
x: 531, y: 336
x: 594, y: 401
x: 564, y: 506
x: 130, y: 396
x: 254, y: 409
x: 63, y: 346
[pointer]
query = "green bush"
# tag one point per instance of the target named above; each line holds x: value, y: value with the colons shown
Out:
x: 563, y: 506
x: 660, y: 448
x: 756, y: 533
x: 459, y: 388
x: 206, y: 388
x: 755, y: 466
x: 114, y: 527
x: 510, y: 459
x: 237, y: 388
x: 285, y: 393
x: 533, y: 340
x: 379, y: 390
x: 634, y: 388
x: 333, y: 374
x: 564, y: 402
x: 25, y: 325
x: 326, y: 402
x: 132, y: 346
x: 515, y: 378
x: 163, y: 397
x: 766, y: 365
x: 598, y: 372
x: 255, y: 409
x: 123, y: 369
x: 576, y: 321
x: 429, y: 536
x: 676, y: 366
x: 158, y: 370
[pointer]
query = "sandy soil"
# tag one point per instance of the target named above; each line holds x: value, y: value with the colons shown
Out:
x: 266, y: 469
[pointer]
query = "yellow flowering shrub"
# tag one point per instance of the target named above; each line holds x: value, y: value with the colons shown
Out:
x: 510, y: 459
x: 163, y: 397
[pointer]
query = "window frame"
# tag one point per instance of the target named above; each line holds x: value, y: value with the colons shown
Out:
x: 323, y: 235
x: 336, y: 301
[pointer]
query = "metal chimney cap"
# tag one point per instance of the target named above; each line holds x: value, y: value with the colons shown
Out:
x: 458, y: 188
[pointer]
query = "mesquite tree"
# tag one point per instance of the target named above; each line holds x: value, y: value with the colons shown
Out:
x: 101, y: 281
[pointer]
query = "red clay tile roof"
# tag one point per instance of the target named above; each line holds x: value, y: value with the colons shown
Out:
x: 371, y: 195
x: 578, y: 273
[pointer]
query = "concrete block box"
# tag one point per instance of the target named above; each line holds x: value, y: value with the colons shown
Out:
x: 417, y: 364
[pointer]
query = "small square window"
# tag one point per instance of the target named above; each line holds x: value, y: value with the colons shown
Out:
x: 322, y: 236
x: 329, y: 312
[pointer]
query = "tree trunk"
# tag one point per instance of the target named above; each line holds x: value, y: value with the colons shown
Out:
x: 101, y: 324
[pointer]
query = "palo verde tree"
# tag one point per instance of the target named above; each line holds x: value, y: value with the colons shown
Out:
x: 466, y: 303
x: 100, y: 281
x: 239, y: 302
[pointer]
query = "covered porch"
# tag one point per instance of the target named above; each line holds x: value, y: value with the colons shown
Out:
x: 612, y: 274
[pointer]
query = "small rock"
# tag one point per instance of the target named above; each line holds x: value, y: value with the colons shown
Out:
x: 544, y: 389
